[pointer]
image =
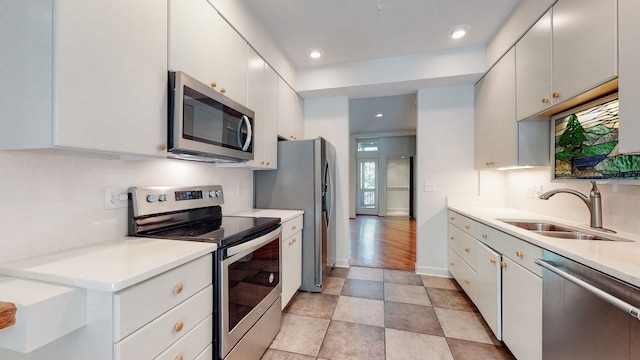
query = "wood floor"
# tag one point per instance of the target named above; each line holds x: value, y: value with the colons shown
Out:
x: 383, y: 242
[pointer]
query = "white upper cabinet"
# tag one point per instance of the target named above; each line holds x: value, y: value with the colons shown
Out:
x: 566, y: 57
x: 84, y: 75
x: 263, y: 99
x: 290, y: 112
x: 533, y: 69
x: 584, y: 46
x: 205, y: 46
x: 629, y: 83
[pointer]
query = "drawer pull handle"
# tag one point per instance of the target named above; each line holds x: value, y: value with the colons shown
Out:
x: 555, y: 95
x: 452, y: 237
x: 466, y: 281
x: 493, y: 260
x: 484, y: 235
x: 179, y: 357
x: 452, y: 218
x: 467, y: 227
x: 467, y: 249
x: 178, y: 326
x: 452, y: 263
x: 545, y: 100
x: 293, y: 227
x: 503, y: 264
x: 519, y: 253
x: 178, y: 288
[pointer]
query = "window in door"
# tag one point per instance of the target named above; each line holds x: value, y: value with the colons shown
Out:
x: 367, y: 186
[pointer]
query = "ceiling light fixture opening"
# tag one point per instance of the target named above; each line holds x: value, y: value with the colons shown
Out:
x: 315, y: 53
x: 459, y: 31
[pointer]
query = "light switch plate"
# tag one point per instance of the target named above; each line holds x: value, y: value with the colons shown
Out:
x: 430, y: 186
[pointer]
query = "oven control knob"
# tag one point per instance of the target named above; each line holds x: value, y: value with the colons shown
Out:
x: 152, y: 198
x: 218, y: 193
x: 212, y: 193
x: 162, y: 197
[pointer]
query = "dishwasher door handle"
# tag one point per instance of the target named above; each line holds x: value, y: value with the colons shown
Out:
x: 620, y: 304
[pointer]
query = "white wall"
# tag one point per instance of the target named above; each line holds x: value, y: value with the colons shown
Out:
x: 329, y: 118
x: 445, y: 148
x: 50, y: 203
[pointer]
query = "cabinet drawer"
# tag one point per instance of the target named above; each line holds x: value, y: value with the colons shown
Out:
x: 207, y: 354
x: 162, y: 332
x: 192, y: 344
x: 520, y: 251
x: 462, y: 222
x: 291, y: 227
x: 138, y: 305
x: 464, y: 275
x: 463, y: 244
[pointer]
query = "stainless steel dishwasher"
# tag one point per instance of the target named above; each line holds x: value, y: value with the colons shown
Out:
x: 587, y: 314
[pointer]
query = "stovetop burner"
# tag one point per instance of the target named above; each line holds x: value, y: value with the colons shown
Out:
x: 192, y: 214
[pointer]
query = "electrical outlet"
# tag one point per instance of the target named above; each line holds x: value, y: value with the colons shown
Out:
x: 537, y: 191
x: 530, y: 191
x: 430, y: 186
x: 115, y: 197
x: 239, y: 189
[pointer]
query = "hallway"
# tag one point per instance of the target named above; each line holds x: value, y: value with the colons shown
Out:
x: 383, y: 242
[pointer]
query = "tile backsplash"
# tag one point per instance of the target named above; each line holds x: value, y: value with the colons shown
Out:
x: 53, y: 202
x: 620, y: 203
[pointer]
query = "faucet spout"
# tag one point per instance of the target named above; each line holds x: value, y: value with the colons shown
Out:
x: 593, y: 202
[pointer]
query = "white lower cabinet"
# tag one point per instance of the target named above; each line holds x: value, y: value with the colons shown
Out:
x: 489, y: 301
x: 501, y: 280
x: 291, y: 258
x: 166, y: 317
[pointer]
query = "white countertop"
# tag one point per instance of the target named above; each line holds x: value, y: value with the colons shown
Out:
x: 284, y: 215
x: 108, y: 265
x: 616, y: 258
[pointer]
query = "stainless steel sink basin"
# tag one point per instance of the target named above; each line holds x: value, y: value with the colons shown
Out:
x: 557, y: 231
x: 537, y: 226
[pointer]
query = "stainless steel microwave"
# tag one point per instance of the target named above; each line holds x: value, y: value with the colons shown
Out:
x: 205, y: 125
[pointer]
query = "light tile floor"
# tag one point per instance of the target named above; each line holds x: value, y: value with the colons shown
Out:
x: 368, y: 313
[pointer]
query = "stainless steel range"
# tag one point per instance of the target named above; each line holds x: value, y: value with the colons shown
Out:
x: 247, y: 302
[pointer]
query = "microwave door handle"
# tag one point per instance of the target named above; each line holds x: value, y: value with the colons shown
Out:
x: 245, y: 120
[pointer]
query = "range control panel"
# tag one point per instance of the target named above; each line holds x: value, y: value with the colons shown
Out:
x: 160, y: 199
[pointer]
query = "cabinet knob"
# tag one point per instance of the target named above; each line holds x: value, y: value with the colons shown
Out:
x: 293, y: 227
x: 493, y: 260
x: 466, y: 281
x: 162, y: 147
x: 178, y: 326
x: 7, y: 314
x: 178, y: 288
x: 452, y: 218
x: 467, y: 249
x: 268, y: 162
x: 519, y: 253
x: 214, y: 84
x: 452, y: 237
x: 467, y: 227
x: 223, y: 90
x: 484, y: 235
x: 179, y: 357
x: 262, y: 162
x: 545, y: 100
x: 452, y: 263
x: 503, y: 264
x: 555, y: 95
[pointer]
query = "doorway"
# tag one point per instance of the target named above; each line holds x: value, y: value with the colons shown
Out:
x: 367, y: 187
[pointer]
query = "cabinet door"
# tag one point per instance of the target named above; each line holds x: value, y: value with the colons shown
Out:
x: 496, y: 131
x: 291, y: 266
x: 521, y: 311
x: 488, y: 299
x: 287, y: 103
x: 584, y: 46
x: 270, y: 118
x: 205, y: 46
x: 629, y: 80
x: 256, y: 102
x: 533, y: 69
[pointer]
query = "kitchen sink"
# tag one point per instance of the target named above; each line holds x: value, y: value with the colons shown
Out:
x: 557, y: 231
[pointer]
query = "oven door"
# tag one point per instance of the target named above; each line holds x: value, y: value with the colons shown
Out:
x: 249, y: 285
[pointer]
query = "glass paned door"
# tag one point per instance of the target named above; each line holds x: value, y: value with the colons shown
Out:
x: 367, y: 187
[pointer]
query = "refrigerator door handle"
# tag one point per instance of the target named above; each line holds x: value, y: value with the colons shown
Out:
x: 327, y: 191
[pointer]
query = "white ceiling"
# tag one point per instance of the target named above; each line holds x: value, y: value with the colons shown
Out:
x: 399, y: 115
x: 357, y: 30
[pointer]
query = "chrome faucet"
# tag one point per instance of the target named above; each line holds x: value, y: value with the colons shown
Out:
x: 593, y: 202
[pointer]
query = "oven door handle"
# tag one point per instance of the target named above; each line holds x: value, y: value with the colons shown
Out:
x: 255, y: 243
x: 605, y: 296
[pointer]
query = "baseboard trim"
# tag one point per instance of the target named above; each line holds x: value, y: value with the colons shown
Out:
x: 425, y: 270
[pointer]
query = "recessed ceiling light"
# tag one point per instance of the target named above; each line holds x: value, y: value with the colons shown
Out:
x: 315, y: 53
x: 459, y: 31
x: 379, y: 115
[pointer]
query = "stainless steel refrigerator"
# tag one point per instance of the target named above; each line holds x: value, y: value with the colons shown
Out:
x: 305, y: 180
